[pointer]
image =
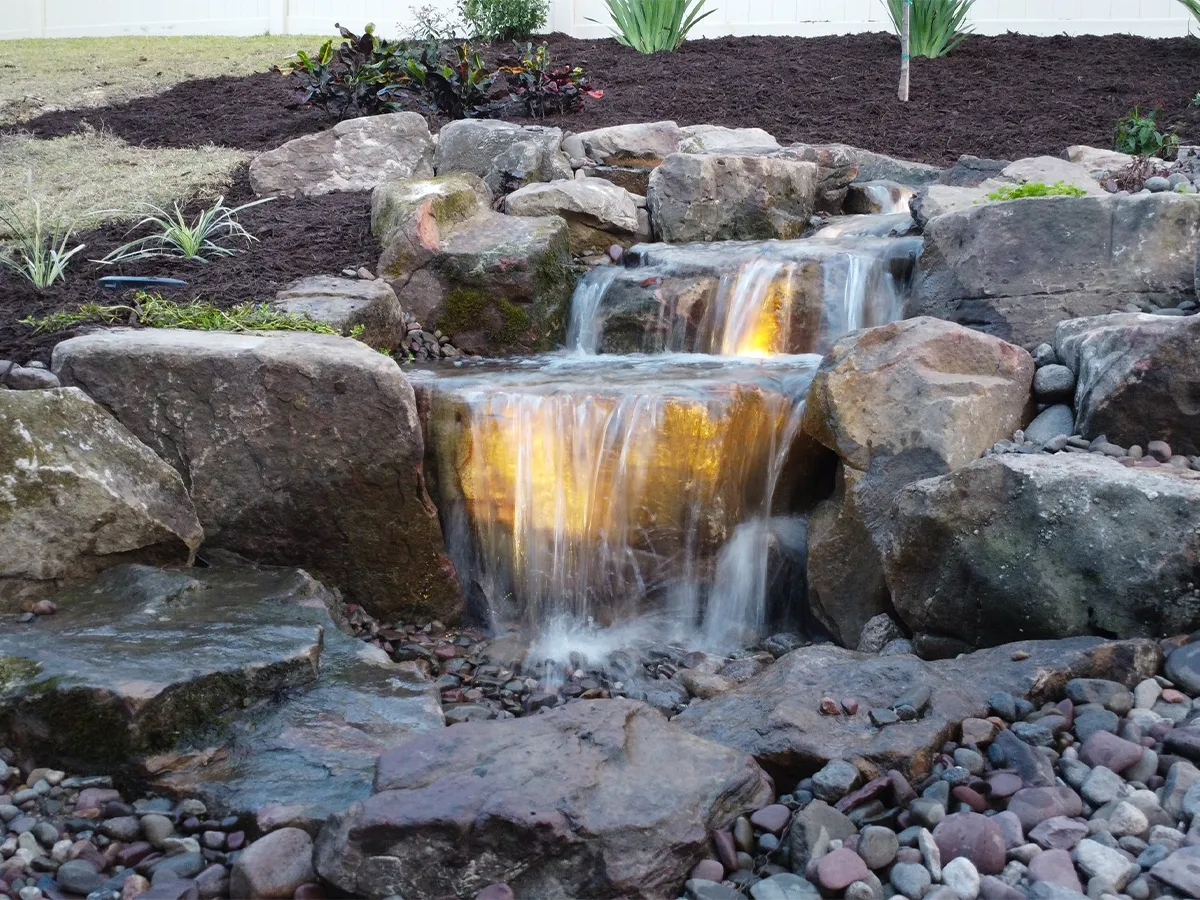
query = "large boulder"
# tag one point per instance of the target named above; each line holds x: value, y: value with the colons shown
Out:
x: 504, y: 155
x: 1020, y: 546
x: 1017, y: 268
x: 896, y: 404
x: 728, y: 196
x: 1102, y: 163
x: 493, y: 282
x: 297, y: 448
x: 347, y: 304
x: 601, y: 798
x: 776, y: 716
x: 872, y: 166
x: 1137, y: 377
x: 597, y: 212
x: 625, y: 154
x: 354, y: 155
x: 720, y: 139
x: 231, y: 683
x: 80, y: 493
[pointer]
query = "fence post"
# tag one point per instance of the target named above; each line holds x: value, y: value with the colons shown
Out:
x: 278, y: 21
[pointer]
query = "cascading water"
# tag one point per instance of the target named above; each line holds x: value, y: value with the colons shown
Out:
x: 627, y: 488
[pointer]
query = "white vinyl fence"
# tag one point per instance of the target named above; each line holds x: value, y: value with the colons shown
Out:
x: 79, y: 18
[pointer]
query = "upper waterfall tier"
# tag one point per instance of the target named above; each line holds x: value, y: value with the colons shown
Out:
x: 752, y: 298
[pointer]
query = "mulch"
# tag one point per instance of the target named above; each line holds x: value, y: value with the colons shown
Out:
x: 296, y: 238
x: 997, y: 97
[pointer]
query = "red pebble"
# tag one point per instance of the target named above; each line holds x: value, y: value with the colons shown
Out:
x: 1170, y: 695
x: 446, y: 651
x: 850, y: 705
x: 829, y: 706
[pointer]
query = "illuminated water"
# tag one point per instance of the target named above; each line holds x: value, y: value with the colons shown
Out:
x: 592, y: 500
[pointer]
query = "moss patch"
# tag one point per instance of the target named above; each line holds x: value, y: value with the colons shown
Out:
x: 502, y: 321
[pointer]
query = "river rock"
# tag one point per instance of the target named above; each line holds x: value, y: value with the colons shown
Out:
x: 347, y: 303
x: 597, y: 212
x: 1180, y: 870
x: 489, y: 148
x: 1017, y: 268
x: 728, y: 196
x: 492, y: 282
x: 307, y: 450
x: 776, y: 716
x: 551, y: 796
x: 1018, y: 545
x: 229, y: 683
x: 274, y: 866
x: 353, y: 155
x: 897, y: 404
x: 79, y: 493
x: 1051, y: 170
x: 1101, y: 162
x: 1050, y: 423
x: 974, y: 836
x: 1137, y: 375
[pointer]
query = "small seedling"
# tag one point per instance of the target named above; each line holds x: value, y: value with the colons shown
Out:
x: 1138, y: 135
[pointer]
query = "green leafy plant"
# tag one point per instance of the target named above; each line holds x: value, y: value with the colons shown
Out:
x: 1196, y: 99
x: 651, y: 26
x: 175, y: 236
x: 459, y: 86
x: 153, y: 311
x: 1036, y: 189
x: 505, y: 20
x: 540, y: 87
x: 1192, y: 6
x: 1138, y: 135
x: 38, y: 250
x: 936, y: 26
x: 360, y: 77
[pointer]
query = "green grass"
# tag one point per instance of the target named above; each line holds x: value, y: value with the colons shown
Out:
x: 66, y: 73
x: 1037, y: 189
x: 153, y: 311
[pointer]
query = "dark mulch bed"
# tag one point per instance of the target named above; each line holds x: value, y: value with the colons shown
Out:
x: 296, y: 238
x: 1002, y: 97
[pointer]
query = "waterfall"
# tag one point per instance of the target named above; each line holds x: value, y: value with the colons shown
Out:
x: 625, y: 489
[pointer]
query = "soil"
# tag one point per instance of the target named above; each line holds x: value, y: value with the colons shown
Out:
x: 995, y: 97
x: 296, y: 238
x: 999, y: 97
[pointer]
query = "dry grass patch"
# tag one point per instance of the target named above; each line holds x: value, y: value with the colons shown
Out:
x: 67, y: 73
x: 78, y: 176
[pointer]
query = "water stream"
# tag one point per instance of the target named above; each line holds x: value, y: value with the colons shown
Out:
x: 628, y: 488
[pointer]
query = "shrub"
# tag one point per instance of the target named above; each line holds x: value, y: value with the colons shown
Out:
x: 359, y: 77
x: 936, y: 26
x: 432, y: 25
x: 459, y: 87
x: 542, y: 89
x: 1036, y: 189
x: 38, y: 251
x: 153, y: 311
x: 651, y: 26
x: 175, y: 236
x: 506, y: 20
x: 1138, y: 135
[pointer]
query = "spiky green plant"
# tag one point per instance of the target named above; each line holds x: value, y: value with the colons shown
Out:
x: 651, y: 26
x: 1192, y: 6
x: 175, y: 236
x: 37, y: 250
x: 936, y: 27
